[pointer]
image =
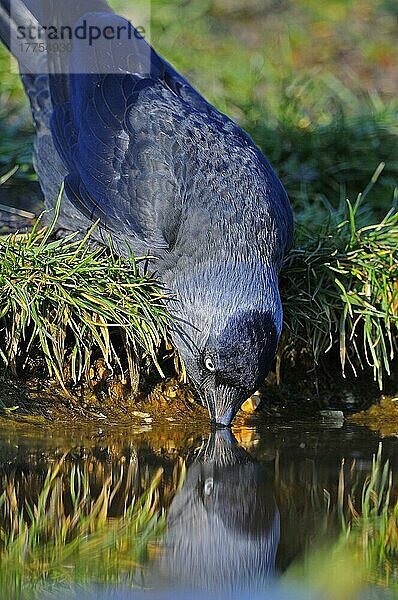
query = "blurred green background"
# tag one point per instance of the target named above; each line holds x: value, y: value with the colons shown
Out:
x: 313, y: 83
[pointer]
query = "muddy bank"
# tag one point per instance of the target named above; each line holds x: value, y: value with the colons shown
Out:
x: 381, y: 417
x: 170, y: 402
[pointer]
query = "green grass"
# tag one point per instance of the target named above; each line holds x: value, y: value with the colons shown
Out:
x: 67, y: 534
x: 309, y: 82
x: 16, y: 127
x: 326, y: 128
x: 66, y: 298
x: 325, y: 143
x: 340, y: 288
x: 304, y: 81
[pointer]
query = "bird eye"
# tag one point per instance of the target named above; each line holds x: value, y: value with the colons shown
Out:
x: 208, y: 486
x: 210, y: 365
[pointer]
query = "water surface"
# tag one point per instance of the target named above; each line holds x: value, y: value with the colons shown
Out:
x: 241, y: 507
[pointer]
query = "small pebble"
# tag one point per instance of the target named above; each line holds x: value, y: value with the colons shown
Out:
x: 142, y: 415
x: 332, y: 415
x: 251, y: 404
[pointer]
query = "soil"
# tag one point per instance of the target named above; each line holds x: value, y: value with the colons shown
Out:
x: 381, y: 417
x: 168, y: 403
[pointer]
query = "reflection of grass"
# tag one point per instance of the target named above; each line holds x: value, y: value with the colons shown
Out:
x: 371, y: 526
x: 367, y: 551
x: 68, y: 534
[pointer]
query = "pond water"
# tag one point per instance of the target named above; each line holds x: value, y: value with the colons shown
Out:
x: 240, y: 507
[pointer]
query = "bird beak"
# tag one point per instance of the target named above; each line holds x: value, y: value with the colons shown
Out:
x: 223, y: 403
x: 224, y: 419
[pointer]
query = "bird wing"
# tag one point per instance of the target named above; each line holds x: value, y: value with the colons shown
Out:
x: 114, y: 133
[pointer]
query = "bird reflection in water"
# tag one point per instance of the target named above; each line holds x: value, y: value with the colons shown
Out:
x: 223, y: 525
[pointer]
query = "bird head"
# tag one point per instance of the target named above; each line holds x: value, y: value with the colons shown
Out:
x: 227, y: 337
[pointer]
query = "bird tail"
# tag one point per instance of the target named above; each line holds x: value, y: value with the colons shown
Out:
x: 36, y: 58
x: 18, y: 14
x: 14, y: 15
x: 33, y: 66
